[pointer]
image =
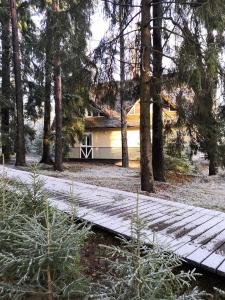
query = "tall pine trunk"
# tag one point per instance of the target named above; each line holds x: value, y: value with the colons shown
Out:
x: 212, y: 131
x: 212, y: 150
x: 125, y: 155
x: 46, y: 156
x: 6, y: 144
x: 20, y: 140
x: 58, y: 96
x: 157, y: 141
x: 147, y: 182
x: 206, y: 122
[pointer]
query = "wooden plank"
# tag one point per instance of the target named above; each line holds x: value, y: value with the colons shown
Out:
x: 191, y: 245
x: 201, y: 253
x: 157, y: 213
x: 197, y: 242
x: 188, y: 222
x: 156, y: 220
x: 99, y: 203
x: 115, y: 208
x: 142, y: 210
x: 213, y: 261
x: 221, y: 269
x: 169, y: 219
x: 207, y: 256
x: 192, y: 232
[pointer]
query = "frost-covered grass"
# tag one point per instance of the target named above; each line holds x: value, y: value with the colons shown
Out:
x: 199, y: 190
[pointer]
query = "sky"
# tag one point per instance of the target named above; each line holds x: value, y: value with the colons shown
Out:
x: 99, y: 27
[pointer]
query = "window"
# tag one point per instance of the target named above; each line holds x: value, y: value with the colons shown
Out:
x: 87, y: 139
x: 86, y: 150
x: 93, y: 113
x: 96, y: 113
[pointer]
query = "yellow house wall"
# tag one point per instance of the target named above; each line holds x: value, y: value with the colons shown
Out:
x: 112, y: 138
x: 107, y: 144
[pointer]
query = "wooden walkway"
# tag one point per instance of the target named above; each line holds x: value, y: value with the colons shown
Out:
x: 196, y: 234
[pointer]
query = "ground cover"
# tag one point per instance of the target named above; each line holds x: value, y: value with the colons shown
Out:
x: 195, y: 189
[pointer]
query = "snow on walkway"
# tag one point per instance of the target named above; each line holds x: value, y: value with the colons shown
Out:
x: 196, y: 234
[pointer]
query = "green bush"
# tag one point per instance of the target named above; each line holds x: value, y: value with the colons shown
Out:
x: 180, y: 165
x: 141, y: 272
x: 40, y: 247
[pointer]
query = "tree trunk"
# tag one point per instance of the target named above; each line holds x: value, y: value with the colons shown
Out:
x: 58, y: 100
x: 207, y: 124
x: 6, y: 144
x: 147, y: 182
x: 46, y: 156
x: 157, y: 142
x: 58, y: 114
x: 212, y: 142
x: 125, y: 155
x: 213, y: 170
x: 20, y: 140
x: 211, y: 129
x: 212, y: 156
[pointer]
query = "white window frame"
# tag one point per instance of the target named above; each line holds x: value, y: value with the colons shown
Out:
x: 86, y: 146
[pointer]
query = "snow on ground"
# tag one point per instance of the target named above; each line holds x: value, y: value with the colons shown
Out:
x: 204, y: 191
x: 201, y: 190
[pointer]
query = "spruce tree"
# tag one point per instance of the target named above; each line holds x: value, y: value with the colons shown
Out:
x: 123, y: 112
x: 57, y: 88
x: 200, y: 68
x: 119, y: 12
x: 157, y: 122
x: 6, y: 91
x: 46, y: 155
x: 40, y: 246
x: 147, y: 180
x: 20, y: 139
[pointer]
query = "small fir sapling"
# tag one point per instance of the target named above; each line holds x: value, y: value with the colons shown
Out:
x: 40, y: 250
x: 138, y: 271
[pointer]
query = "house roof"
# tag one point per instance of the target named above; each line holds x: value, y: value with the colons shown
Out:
x: 107, y: 98
x: 96, y: 107
x: 107, y: 122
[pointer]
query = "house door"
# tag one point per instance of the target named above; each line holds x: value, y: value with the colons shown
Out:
x: 86, y: 150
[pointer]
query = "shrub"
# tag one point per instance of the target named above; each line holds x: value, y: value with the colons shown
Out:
x: 40, y: 247
x: 180, y: 165
x: 139, y: 272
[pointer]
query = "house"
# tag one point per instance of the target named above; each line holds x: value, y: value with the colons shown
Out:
x: 102, y: 138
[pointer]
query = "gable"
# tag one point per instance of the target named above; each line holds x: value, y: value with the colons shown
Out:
x: 167, y: 104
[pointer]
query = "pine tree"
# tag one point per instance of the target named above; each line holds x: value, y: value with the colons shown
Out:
x: 157, y: 123
x: 147, y: 182
x: 200, y: 67
x: 122, y: 20
x: 46, y: 156
x: 119, y: 11
x: 77, y: 68
x: 57, y: 89
x: 20, y: 140
x: 6, y: 93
